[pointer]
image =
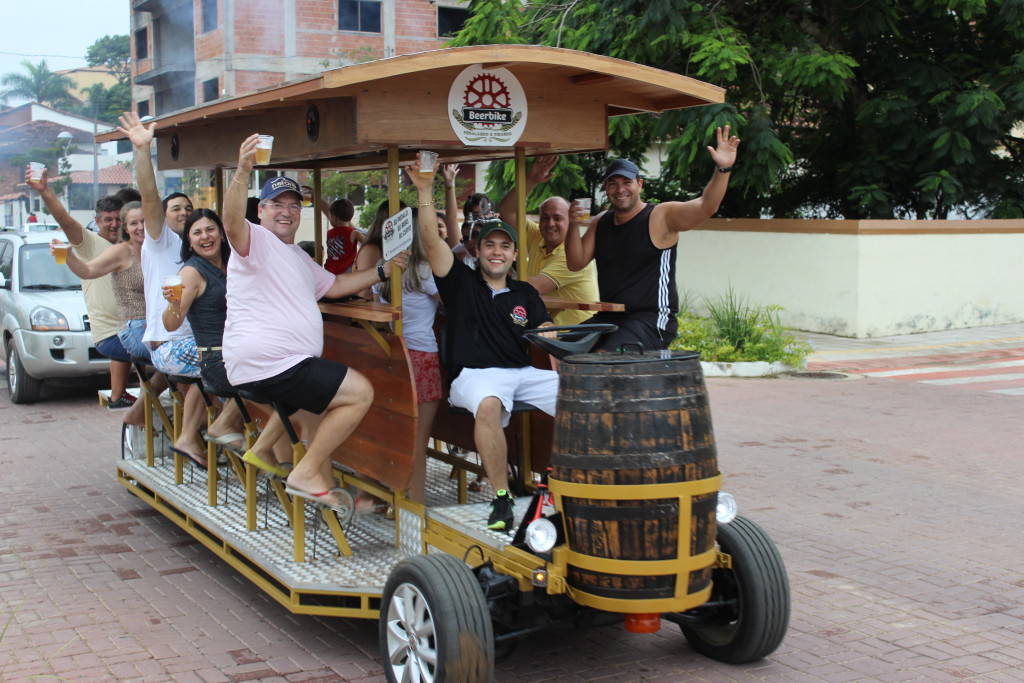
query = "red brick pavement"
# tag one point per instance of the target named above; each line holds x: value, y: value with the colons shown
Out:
x: 896, y: 509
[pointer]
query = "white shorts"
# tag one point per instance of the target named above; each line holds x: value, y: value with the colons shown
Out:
x: 530, y: 385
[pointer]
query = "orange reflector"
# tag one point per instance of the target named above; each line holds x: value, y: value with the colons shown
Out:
x: 643, y: 623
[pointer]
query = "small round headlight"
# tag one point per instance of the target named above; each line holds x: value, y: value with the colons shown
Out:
x: 541, y: 535
x: 725, y: 511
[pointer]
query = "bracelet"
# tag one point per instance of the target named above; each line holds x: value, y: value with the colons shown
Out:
x: 235, y: 179
x: 727, y: 169
x: 380, y: 272
x: 430, y: 203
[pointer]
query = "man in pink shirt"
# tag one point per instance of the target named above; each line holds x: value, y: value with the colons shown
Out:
x: 273, y: 337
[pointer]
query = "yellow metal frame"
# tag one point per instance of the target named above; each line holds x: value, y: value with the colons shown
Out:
x: 291, y: 599
x: 681, y: 565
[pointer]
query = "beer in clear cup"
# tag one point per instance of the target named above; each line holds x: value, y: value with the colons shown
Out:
x: 35, y: 170
x: 584, y: 209
x: 174, y: 282
x: 307, y: 195
x: 60, y: 252
x: 264, y: 146
x: 428, y: 162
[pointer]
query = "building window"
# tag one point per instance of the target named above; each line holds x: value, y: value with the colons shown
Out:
x: 211, y: 90
x: 209, y: 15
x: 142, y: 106
x: 359, y: 15
x: 142, y: 43
x: 450, y: 20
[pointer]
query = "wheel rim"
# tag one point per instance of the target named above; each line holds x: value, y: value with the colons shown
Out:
x: 12, y: 371
x: 726, y: 588
x: 412, y: 639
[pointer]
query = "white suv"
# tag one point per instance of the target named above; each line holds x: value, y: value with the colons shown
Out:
x: 43, y: 319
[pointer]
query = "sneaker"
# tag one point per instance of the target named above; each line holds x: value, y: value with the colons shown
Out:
x: 124, y: 403
x: 501, y: 517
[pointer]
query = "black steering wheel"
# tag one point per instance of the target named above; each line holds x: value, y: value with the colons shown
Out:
x: 570, y: 339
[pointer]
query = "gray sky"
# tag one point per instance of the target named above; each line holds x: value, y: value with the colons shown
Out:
x: 59, y: 31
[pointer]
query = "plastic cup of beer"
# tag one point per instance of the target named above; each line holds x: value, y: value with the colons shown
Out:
x: 35, y: 170
x: 307, y: 195
x: 174, y: 282
x: 263, y: 148
x: 584, y: 209
x: 428, y: 163
x: 60, y: 252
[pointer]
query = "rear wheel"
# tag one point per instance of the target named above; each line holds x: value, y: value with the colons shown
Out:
x: 23, y: 387
x: 748, y: 613
x: 434, y: 623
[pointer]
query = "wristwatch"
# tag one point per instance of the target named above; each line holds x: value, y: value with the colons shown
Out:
x: 380, y: 272
x: 727, y: 169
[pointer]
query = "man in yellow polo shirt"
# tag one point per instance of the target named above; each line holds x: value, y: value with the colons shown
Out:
x: 545, y: 248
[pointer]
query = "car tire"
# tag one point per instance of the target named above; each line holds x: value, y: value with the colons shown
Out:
x: 756, y: 587
x: 434, y: 623
x: 23, y: 387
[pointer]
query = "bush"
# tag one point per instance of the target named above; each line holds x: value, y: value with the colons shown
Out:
x: 734, y: 330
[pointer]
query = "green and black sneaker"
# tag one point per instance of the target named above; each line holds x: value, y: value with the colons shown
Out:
x: 501, y: 512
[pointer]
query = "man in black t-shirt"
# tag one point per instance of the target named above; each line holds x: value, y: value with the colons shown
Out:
x: 487, y: 359
x: 634, y: 245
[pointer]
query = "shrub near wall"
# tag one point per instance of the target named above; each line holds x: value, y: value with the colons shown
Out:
x: 733, y: 330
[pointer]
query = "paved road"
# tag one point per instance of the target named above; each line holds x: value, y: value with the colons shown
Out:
x: 896, y: 506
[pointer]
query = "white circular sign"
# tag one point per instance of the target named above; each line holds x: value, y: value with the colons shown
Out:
x: 487, y: 107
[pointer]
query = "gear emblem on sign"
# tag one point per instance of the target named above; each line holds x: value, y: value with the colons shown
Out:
x: 486, y: 92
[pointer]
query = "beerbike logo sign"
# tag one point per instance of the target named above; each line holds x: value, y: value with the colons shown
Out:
x: 487, y: 107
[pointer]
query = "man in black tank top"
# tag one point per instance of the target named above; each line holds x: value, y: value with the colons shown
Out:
x: 634, y: 245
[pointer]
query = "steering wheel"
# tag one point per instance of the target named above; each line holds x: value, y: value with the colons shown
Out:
x: 571, y: 339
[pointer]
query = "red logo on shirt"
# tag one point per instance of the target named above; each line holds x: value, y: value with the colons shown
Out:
x: 519, y: 316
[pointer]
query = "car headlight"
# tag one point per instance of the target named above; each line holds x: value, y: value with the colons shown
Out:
x: 725, y: 511
x: 47, y: 320
x: 541, y: 535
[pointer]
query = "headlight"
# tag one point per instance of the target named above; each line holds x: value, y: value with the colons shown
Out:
x: 541, y: 535
x: 725, y: 511
x: 47, y: 320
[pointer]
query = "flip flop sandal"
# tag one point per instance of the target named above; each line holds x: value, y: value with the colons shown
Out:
x: 186, y: 454
x: 226, y: 439
x: 279, y: 471
x: 343, y: 505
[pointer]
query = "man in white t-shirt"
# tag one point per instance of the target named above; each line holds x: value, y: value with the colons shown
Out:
x: 273, y: 337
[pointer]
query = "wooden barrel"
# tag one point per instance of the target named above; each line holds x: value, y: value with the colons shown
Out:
x: 640, y: 423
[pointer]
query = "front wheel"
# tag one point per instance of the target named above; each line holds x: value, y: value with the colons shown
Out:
x: 748, y: 613
x: 434, y: 623
x: 22, y: 387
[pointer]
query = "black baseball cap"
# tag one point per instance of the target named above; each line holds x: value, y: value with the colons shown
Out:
x: 622, y: 167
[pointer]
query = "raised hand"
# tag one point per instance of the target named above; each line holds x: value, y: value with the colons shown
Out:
x: 724, y: 154
x: 450, y: 171
x: 132, y: 126
x: 37, y: 185
x: 247, y: 153
x: 423, y: 183
x: 540, y: 171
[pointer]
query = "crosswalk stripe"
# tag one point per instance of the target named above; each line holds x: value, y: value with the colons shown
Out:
x: 946, y: 368
x: 1012, y: 391
x: 974, y: 379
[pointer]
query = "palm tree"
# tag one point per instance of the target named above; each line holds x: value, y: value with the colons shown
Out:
x: 38, y: 85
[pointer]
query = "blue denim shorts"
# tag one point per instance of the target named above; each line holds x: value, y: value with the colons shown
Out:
x: 131, y: 338
x: 113, y: 348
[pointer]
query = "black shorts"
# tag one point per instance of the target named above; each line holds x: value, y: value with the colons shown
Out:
x: 631, y: 332
x: 214, y: 374
x: 310, y: 385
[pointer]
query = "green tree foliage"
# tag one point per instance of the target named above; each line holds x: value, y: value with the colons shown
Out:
x: 106, y: 104
x: 113, y: 52
x: 38, y: 84
x: 873, y: 109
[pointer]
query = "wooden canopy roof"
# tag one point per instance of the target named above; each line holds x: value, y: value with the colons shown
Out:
x: 402, y: 102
